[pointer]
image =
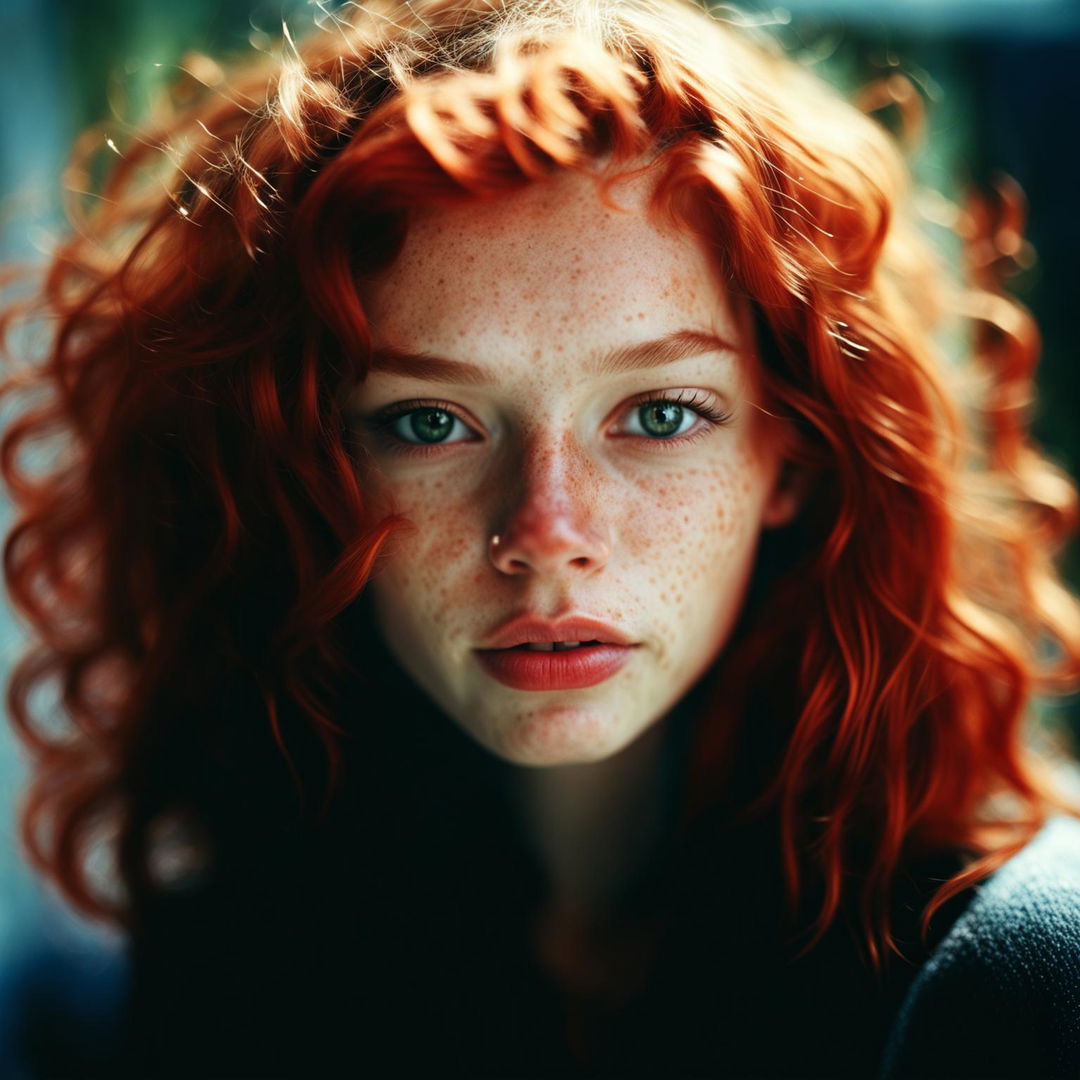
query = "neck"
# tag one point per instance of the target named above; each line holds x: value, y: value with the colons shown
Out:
x: 597, y: 827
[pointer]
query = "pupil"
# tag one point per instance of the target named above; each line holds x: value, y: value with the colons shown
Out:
x: 431, y: 425
x: 661, y: 417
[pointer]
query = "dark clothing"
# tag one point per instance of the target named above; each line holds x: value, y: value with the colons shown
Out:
x: 320, y: 979
x: 402, y: 932
x: 398, y: 937
x: 1001, y: 995
x: 998, y: 997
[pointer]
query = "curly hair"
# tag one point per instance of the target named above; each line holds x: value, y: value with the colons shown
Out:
x: 200, y: 514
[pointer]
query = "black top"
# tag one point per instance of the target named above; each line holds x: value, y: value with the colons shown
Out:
x: 399, y: 936
x: 404, y: 931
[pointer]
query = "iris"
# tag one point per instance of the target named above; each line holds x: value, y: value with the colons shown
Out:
x: 661, y: 418
x: 430, y: 425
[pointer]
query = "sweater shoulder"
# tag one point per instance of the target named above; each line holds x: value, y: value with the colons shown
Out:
x: 1022, y: 929
x: 1000, y: 995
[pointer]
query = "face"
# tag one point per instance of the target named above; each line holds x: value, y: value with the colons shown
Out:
x: 564, y: 404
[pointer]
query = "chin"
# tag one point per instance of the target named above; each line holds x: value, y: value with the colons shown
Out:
x: 561, y: 735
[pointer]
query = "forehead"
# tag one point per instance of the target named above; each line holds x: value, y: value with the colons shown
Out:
x: 550, y: 261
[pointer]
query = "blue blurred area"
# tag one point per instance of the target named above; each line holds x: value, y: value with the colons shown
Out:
x: 1004, y: 73
x: 1023, y: 18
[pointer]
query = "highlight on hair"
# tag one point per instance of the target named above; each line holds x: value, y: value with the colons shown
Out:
x: 193, y: 527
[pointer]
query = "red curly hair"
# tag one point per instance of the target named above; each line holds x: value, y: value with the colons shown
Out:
x: 186, y: 554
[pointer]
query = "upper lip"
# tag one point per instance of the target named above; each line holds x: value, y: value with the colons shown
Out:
x: 569, y: 628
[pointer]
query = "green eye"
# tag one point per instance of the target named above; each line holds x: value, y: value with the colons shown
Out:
x: 661, y: 419
x: 428, y: 425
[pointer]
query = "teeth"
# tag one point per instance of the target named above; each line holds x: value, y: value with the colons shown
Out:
x: 551, y: 646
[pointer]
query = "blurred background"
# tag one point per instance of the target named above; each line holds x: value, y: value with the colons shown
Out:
x: 997, y: 80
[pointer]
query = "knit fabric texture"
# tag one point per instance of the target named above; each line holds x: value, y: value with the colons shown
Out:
x: 1000, y: 996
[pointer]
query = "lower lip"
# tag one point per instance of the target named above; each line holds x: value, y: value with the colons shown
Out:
x: 562, y: 669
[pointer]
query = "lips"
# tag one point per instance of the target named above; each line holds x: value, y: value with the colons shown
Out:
x: 603, y: 650
x: 529, y: 628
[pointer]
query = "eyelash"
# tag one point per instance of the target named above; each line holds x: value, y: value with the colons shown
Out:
x: 382, y: 421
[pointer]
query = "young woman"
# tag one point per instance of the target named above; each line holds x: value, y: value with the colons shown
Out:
x: 531, y: 591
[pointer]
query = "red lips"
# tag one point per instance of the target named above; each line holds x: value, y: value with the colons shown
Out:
x: 528, y: 628
x: 564, y: 669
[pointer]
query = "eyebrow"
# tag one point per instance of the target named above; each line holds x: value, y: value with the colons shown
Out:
x: 679, y: 345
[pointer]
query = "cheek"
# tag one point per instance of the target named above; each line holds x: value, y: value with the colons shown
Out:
x: 429, y: 569
x: 686, y: 518
x: 694, y: 535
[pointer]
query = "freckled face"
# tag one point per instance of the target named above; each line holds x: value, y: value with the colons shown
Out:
x: 643, y: 516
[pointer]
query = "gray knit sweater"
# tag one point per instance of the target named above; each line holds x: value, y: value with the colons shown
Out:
x: 1000, y: 996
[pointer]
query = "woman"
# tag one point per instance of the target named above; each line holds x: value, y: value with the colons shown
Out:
x: 532, y: 594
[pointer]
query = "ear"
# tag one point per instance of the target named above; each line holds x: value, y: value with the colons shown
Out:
x: 790, y: 491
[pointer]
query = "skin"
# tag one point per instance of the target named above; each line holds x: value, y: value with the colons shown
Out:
x: 655, y: 537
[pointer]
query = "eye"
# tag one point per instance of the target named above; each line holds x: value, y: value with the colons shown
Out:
x: 413, y: 426
x: 672, y: 417
x: 661, y: 419
x: 430, y: 424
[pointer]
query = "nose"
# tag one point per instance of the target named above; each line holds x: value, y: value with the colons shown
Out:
x: 555, y: 523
